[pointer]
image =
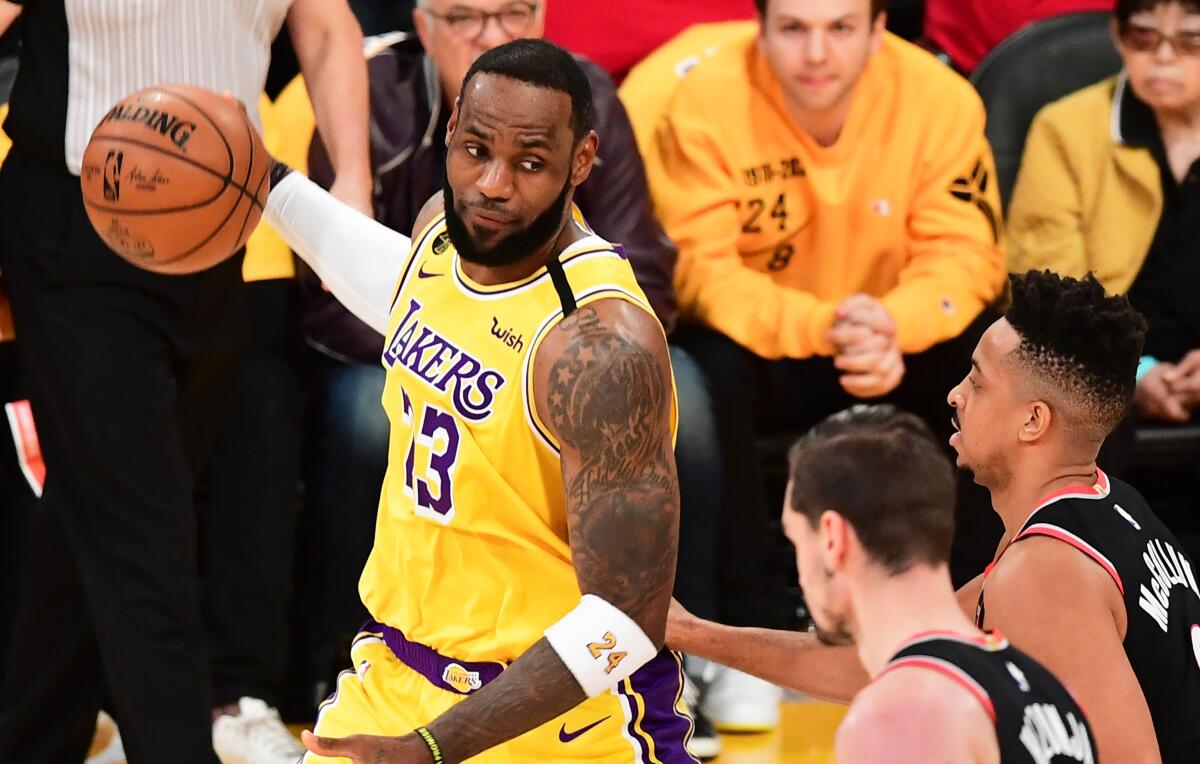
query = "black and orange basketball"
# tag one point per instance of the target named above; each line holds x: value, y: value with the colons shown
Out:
x: 175, y: 178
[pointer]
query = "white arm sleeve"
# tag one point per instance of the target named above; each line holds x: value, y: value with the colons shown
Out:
x: 356, y: 257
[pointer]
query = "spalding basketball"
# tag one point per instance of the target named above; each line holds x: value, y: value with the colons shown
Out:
x: 175, y: 178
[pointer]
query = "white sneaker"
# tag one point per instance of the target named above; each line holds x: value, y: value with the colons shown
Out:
x: 106, y: 745
x: 738, y: 702
x: 704, y: 744
x: 255, y: 736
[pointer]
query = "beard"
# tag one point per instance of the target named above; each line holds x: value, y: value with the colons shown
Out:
x: 512, y: 248
x: 832, y: 628
x: 993, y: 473
x: 835, y: 632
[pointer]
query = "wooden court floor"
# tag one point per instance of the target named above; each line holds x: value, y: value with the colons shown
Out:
x: 804, y: 737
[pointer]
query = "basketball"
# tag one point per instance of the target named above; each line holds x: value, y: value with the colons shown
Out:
x: 175, y: 178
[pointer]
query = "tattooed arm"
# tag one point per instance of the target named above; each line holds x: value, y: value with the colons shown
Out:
x: 602, y: 383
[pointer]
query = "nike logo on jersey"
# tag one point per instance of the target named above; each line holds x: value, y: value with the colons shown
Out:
x: 1019, y: 676
x: 421, y: 274
x: 567, y: 737
x: 1121, y: 511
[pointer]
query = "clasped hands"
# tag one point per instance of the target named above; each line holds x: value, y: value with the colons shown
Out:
x: 864, y: 339
x: 1170, y: 392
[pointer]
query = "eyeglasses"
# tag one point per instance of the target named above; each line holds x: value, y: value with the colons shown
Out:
x: 1148, y: 39
x: 515, y: 19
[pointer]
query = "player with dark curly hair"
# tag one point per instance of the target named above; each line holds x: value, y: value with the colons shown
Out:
x: 1086, y: 580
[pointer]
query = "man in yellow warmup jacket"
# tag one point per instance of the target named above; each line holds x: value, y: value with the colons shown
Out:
x: 832, y: 196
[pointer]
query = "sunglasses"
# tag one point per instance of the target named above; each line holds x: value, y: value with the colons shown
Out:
x: 1145, y: 39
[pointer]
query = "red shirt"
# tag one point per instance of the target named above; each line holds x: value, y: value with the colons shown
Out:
x: 967, y: 30
x: 617, y: 34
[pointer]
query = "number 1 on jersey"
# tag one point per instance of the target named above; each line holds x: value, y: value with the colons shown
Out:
x: 433, y: 491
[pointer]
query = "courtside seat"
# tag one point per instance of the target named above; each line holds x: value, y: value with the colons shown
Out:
x: 1035, y: 66
x: 1163, y: 445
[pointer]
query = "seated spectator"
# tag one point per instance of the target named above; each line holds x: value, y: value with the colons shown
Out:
x: 830, y: 191
x: 965, y: 31
x: 414, y: 81
x: 1110, y: 183
x: 632, y: 28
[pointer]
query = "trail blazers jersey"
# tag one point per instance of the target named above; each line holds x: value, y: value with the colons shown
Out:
x: 1111, y: 523
x: 1037, y: 721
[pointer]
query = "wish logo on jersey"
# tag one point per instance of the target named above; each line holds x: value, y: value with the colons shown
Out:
x: 438, y: 362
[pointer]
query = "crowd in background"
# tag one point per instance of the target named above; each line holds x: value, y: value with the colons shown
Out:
x: 815, y: 216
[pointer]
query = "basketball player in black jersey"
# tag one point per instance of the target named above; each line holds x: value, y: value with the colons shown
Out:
x: 1087, y: 580
x: 873, y: 566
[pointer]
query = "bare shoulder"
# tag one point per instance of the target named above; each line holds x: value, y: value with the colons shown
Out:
x: 607, y: 359
x: 1040, y: 573
x: 916, y: 715
x: 430, y: 210
x: 621, y: 320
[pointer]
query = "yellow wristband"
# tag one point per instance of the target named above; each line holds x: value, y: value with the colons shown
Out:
x: 432, y: 742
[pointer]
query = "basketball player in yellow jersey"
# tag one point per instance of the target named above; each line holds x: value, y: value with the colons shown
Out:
x: 526, y: 539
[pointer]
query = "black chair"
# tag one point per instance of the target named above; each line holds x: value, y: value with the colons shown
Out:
x: 1037, y: 65
x: 1165, y: 446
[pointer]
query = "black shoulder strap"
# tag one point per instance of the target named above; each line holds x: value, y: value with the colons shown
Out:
x: 562, y: 286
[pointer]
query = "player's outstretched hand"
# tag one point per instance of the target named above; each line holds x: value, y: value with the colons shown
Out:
x: 370, y: 749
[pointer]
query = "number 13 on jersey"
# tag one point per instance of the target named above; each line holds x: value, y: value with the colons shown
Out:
x: 432, y: 488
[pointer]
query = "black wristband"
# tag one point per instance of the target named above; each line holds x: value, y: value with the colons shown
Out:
x: 279, y: 171
x: 432, y: 742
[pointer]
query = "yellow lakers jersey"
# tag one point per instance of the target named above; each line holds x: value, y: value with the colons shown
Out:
x: 471, y: 555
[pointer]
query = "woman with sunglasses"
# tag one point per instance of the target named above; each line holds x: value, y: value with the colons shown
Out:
x: 1110, y: 183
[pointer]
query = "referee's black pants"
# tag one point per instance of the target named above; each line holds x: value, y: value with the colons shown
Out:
x: 111, y: 356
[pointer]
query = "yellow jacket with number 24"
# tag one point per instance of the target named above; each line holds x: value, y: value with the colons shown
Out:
x: 774, y: 230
